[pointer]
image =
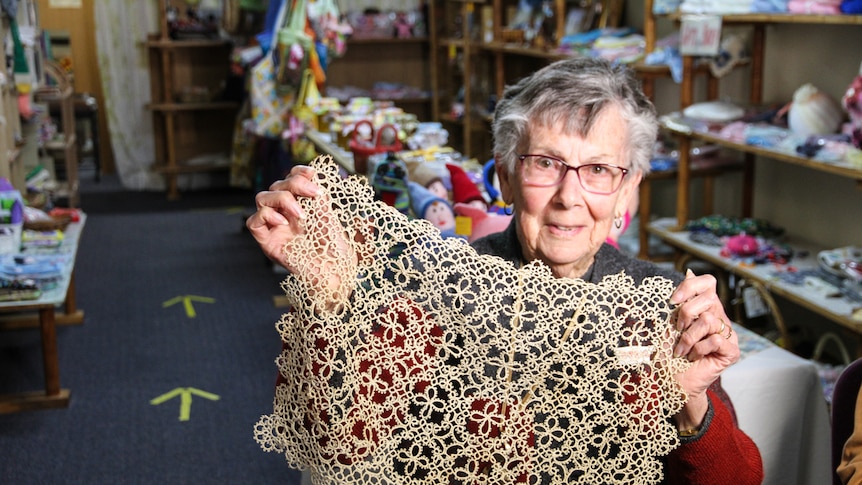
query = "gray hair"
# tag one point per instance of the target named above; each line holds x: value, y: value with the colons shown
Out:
x: 571, y: 94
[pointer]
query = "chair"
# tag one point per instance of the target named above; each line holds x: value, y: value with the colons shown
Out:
x: 843, y: 410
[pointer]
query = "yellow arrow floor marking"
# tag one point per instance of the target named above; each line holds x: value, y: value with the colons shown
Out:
x: 185, y: 394
x: 187, y: 303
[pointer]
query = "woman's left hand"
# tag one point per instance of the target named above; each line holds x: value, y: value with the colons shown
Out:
x: 707, y: 340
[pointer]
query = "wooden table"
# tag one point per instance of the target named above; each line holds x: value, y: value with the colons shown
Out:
x: 325, y: 146
x: 55, y: 306
x: 840, y: 310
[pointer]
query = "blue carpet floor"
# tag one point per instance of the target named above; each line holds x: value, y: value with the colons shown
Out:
x: 132, y: 349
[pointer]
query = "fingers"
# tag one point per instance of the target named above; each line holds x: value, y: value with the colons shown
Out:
x: 265, y: 217
x: 299, y: 176
x: 706, y: 335
x: 279, y: 215
x: 695, y: 296
x: 692, y: 286
x: 282, y: 195
x: 702, y: 320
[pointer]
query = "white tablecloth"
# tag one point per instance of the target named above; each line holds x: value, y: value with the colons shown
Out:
x: 780, y: 404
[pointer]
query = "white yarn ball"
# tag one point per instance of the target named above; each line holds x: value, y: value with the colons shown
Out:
x: 814, y: 112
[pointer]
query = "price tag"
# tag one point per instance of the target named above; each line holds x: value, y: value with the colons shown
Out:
x: 700, y: 35
x: 754, y: 304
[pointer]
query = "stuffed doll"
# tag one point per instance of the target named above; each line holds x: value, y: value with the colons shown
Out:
x: 852, y: 103
x: 432, y: 208
x: 464, y: 190
x: 430, y: 175
x: 389, y: 181
x: 403, y: 27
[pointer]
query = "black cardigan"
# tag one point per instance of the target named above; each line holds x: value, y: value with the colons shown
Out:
x: 608, y: 260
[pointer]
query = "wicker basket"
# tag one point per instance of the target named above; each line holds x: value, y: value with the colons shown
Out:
x: 56, y: 222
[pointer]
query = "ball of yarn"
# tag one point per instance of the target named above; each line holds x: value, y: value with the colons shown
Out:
x: 814, y: 112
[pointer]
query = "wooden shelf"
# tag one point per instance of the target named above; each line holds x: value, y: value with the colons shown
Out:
x: 377, y: 41
x: 763, y: 18
x: 175, y: 107
x: 843, y: 169
x: 392, y: 60
x: 67, y: 143
x: 837, y: 309
x: 514, y: 49
x: 49, y: 94
x: 186, y: 130
x: 159, y: 43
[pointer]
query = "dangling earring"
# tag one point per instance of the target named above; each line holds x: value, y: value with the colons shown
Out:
x: 618, y: 222
x: 509, y: 209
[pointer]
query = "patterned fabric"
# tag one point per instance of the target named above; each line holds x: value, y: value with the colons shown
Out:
x: 269, y: 107
x: 412, y: 357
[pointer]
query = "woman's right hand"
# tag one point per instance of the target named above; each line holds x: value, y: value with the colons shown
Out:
x: 328, y: 262
x: 278, y: 218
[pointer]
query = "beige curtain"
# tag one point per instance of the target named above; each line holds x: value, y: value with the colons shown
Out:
x: 121, y: 27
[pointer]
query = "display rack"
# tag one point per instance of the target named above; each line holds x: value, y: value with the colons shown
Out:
x: 59, y: 91
x: 10, y: 134
x: 193, y: 125
x: 688, y: 135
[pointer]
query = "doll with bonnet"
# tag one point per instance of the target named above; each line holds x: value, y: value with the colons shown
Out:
x: 436, y: 210
x: 852, y: 103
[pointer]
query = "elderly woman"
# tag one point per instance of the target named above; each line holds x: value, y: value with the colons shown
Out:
x: 572, y: 142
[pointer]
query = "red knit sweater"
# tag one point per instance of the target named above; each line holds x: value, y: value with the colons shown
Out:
x: 722, y: 455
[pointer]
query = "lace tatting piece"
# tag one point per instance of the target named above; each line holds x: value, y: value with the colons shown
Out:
x: 409, y: 358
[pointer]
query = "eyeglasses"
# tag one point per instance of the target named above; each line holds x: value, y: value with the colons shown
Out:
x: 547, y: 171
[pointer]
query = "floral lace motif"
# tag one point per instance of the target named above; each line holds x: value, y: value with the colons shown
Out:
x: 428, y: 362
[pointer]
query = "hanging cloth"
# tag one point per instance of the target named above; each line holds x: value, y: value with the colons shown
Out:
x: 293, y: 49
x: 269, y: 106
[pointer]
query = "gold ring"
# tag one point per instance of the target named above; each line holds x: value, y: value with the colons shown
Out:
x: 721, y: 330
x: 729, y: 331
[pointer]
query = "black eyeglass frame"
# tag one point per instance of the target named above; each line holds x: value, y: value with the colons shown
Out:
x: 577, y: 169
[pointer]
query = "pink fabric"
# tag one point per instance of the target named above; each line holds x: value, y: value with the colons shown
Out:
x: 819, y: 7
x: 734, y: 131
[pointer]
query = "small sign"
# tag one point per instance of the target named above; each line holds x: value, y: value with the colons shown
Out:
x: 753, y: 303
x: 635, y: 354
x: 64, y: 3
x: 700, y: 35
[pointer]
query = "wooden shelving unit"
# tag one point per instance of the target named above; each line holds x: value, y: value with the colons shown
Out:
x: 474, y: 61
x: 458, y: 71
x: 404, y: 61
x: 493, y: 61
x: 10, y: 134
x: 59, y: 91
x: 758, y: 23
x: 671, y: 231
x: 189, y: 126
